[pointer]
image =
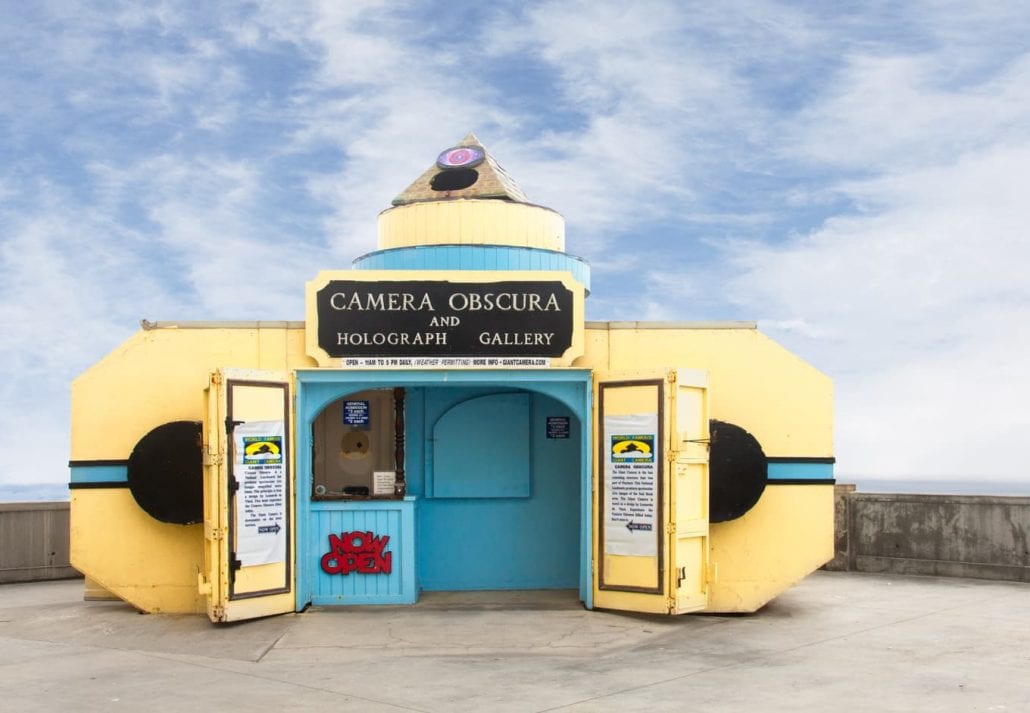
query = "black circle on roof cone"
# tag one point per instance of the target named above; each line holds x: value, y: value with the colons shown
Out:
x: 454, y: 179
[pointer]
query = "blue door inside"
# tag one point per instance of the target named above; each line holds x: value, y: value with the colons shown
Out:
x: 499, y: 489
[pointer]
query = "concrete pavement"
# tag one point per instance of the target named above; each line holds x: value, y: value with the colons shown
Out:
x: 837, y: 641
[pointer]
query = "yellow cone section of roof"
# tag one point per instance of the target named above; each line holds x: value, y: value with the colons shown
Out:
x: 467, y: 198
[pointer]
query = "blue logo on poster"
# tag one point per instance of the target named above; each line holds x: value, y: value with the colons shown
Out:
x: 355, y: 413
x: 633, y: 448
x: 267, y: 450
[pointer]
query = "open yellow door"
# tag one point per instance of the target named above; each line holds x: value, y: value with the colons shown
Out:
x: 651, y: 491
x: 248, y: 496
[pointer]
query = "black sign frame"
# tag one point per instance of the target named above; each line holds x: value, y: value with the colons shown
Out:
x: 445, y: 318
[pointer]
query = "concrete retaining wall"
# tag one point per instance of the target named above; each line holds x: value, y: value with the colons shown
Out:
x: 981, y: 536
x: 986, y: 537
x: 34, y: 542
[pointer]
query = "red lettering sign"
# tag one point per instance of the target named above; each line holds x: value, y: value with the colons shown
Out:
x: 360, y: 552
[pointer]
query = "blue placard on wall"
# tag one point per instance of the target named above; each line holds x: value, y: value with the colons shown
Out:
x: 355, y: 413
x: 557, y: 426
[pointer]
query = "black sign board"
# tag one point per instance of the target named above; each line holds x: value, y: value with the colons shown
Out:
x: 557, y: 426
x: 443, y: 318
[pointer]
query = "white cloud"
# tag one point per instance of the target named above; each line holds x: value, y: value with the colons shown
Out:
x: 892, y: 112
x: 62, y: 303
x: 918, y: 308
x: 386, y: 104
x: 912, y: 292
x: 858, y: 175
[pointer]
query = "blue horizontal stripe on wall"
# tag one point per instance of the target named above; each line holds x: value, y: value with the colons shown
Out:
x: 99, y: 474
x: 786, y: 470
x: 474, y: 257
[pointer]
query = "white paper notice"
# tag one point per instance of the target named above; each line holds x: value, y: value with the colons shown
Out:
x: 261, y: 501
x: 383, y: 482
x: 631, y: 485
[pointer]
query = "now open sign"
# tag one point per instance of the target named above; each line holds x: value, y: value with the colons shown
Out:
x: 357, y: 552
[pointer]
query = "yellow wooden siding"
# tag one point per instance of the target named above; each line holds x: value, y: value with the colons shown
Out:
x: 471, y: 222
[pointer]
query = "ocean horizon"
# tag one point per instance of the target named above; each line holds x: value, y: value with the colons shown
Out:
x: 51, y: 492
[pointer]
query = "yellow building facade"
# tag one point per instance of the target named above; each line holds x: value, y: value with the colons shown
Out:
x: 446, y: 419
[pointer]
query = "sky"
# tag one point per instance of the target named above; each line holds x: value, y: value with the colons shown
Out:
x: 852, y: 176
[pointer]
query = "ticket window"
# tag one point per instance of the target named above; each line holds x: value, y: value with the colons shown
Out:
x: 353, y: 441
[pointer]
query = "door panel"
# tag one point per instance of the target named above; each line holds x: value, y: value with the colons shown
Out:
x: 689, y: 490
x: 248, y: 495
x: 651, y: 491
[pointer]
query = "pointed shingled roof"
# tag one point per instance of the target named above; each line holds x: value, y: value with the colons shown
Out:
x: 489, y: 181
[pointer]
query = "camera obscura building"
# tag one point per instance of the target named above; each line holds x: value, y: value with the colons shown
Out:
x: 445, y: 419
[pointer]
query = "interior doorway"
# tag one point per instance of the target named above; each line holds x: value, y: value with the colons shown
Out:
x: 500, y: 504
x: 496, y: 469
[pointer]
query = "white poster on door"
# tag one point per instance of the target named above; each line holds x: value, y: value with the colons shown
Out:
x: 261, y: 500
x: 631, y: 485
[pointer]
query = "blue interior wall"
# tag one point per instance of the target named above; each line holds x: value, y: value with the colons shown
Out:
x: 481, y: 448
x: 501, y: 543
x: 560, y: 391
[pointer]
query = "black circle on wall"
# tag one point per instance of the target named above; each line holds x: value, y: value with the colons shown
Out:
x: 738, y: 471
x: 166, y: 475
x: 454, y: 179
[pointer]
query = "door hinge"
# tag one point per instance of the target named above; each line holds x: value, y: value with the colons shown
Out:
x: 218, y: 612
x: 216, y: 379
x: 212, y: 458
x: 670, y: 528
x: 671, y: 377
